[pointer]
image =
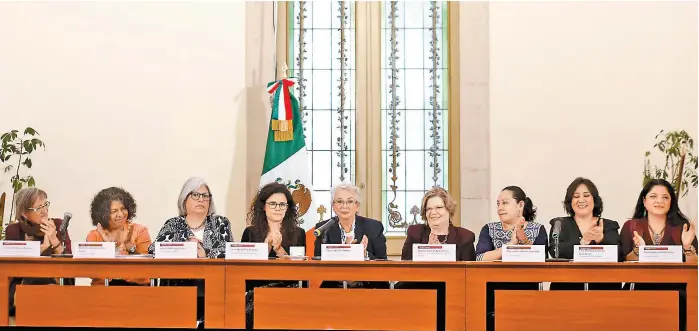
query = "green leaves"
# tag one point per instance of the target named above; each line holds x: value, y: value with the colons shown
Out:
x: 680, y: 166
x: 16, y: 149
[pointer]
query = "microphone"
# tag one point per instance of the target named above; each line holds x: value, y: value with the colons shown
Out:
x: 62, y: 231
x: 319, y: 231
x: 555, y: 234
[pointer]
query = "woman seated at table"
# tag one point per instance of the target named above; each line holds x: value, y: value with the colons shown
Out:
x: 273, y: 220
x: 34, y: 224
x: 516, y: 227
x: 112, y: 211
x: 437, y: 211
x: 197, y: 222
x: 657, y: 220
x: 351, y: 228
x: 584, y: 226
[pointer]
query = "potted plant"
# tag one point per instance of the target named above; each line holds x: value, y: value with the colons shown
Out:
x: 680, y: 166
x: 15, y: 151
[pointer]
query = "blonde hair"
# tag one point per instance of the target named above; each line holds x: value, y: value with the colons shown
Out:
x: 25, y: 198
x: 449, y: 203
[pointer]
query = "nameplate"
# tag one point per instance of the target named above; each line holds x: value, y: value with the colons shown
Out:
x: 98, y: 250
x: 342, y: 252
x: 660, y: 253
x: 523, y: 253
x: 176, y: 250
x: 20, y: 248
x: 247, y: 251
x: 595, y: 253
x: 434, y: 253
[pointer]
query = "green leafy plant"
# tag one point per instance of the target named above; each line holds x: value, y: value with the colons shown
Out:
x: 16, y: 151
x: 680, y: 167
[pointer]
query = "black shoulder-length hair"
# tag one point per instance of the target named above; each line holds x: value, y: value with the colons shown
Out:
x: 568, y: 200
x: 100, y: 208
x: 258, y: 219
x: 674, y: 215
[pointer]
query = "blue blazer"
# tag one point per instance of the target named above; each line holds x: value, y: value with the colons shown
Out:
x: 373, y: 229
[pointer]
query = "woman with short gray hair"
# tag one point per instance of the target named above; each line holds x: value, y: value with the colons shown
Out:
x: 352, y: 228
x: 197, y: 222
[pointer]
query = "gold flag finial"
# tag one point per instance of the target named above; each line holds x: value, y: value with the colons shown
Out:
x: 285, y: 70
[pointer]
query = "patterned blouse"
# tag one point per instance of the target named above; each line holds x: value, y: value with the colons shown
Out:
x: 493, y: 236
x: 217, y: 232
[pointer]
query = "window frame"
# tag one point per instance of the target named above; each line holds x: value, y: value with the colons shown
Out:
x: 368, y: 105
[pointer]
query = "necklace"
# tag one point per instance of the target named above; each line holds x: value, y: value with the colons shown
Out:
x: 443, y: 241
x: 657, y: 237
x: 199, y: 227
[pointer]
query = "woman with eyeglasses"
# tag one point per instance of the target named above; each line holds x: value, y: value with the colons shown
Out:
x: 33, y: 224
x: 197, y: 222
x: 437, y: 211
x: 351, y: 228
x: 273, y: 220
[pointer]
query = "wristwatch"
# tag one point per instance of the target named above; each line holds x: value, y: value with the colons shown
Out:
x: 132, y: 249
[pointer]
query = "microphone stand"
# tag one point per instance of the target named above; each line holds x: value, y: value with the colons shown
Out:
x: 556, y: 251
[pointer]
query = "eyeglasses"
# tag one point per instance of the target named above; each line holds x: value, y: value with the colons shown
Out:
x: 45, y: 205
x: 197, y: 195
x: 654, y: 197
x: 274, y: 205
x: 437, y: 209
x: 344, y: 203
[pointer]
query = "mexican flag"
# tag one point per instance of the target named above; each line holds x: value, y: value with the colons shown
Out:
x: 286, y: 159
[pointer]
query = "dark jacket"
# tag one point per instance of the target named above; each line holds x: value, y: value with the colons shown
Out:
x: 462, y: 238
x: 570, y: 236
x: 373, y: 229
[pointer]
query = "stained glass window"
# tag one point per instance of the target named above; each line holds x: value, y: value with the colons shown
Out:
x: 414, y: 107
x: 321, y: 57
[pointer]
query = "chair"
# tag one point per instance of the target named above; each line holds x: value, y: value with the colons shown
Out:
x: 310, y: 251
x: 310, y: 242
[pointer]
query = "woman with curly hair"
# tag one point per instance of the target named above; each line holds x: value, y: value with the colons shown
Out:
x: 112, y: 211
x: 273, y: 220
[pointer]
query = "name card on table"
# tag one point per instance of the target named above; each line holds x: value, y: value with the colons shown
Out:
x: 247, y: 251
x: 101, y: 250
x: 660, y: 253
x: 20, y: 248
x: 596, y: 253
x: 175, y: 250
x: 342, y: 252
x: 434, y: 253
x: 523, y: 253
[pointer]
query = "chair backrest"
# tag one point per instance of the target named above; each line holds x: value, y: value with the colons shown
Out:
x: 310, y: 242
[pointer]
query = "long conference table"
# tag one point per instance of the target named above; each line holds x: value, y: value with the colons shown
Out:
x: 313, y: 307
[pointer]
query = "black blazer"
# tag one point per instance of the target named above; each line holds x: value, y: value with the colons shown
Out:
x: 299, y: 239
x: 370, y: 227
x: 420, y: 234
x: 570, y: 236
